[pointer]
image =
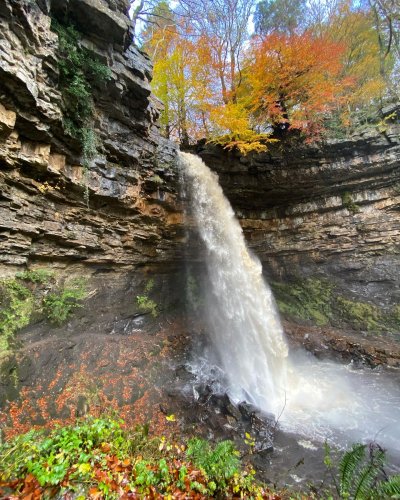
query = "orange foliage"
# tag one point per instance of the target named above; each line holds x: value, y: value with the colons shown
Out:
x: 295, y: 80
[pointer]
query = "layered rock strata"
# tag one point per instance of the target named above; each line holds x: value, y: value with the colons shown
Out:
x: 132, y: 217
x: 116, y: 223
x: 325, y: 222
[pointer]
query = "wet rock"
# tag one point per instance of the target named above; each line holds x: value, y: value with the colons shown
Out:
x: 330, y: 343
x: 203, y: 393
x: 263, y: 445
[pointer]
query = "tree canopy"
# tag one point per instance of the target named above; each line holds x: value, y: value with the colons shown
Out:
x: 317, y: 68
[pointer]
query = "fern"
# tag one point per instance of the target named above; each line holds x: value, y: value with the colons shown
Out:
x: 219, y: 464
x: 389, y: 488
x: 349, y: 463
x: 361, y: 474
x: 367, y: 477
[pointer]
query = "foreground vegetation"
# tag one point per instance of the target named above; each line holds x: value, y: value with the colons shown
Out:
x: 97, y: 458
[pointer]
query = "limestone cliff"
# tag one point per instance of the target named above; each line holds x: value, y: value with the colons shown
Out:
x: 113, y: 221
x: 131, y: 182
x: 325, y: 222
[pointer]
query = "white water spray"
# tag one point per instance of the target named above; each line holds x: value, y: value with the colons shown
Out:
x: 243, y: 323
x: 321, y: 400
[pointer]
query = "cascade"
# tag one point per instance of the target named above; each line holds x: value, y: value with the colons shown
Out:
x: 318, y: 399
x: 242, y: 320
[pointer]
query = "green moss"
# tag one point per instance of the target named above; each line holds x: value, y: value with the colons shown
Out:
x: 60, y: 304
x: 80, y: 72
x: 395, y: 316
x: 313, y: 300
x: 361, y: 315
x: 308, y: 299
x: 145, y: 303
x: 36, y: 276
x: 348, y: 203
x: 33, y: 295
x: 149, y: 285
x: 17, y: 302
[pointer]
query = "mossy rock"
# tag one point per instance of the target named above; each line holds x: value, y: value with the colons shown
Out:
x: 313, y: 300
x: 307, y: 300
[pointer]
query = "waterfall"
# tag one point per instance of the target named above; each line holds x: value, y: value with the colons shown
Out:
x: 318, y: 399
x: 243, y: 324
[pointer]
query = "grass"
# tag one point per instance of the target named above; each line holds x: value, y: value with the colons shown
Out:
x: 35, y: 294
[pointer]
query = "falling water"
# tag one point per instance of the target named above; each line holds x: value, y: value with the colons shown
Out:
x: 320, y: 400
x: 243, y: 323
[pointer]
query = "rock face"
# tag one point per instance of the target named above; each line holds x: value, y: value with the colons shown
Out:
x: 117, y: 224
x: 133, y: 214
x: 325, y: 223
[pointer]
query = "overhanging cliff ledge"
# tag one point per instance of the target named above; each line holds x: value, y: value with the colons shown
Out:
x: 131, y: 216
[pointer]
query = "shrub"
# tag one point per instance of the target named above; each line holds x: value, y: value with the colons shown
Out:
x: 146, y: 304
x: 59, y: 305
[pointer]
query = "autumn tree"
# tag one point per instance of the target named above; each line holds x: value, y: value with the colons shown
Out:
x: 181, y: 78
x: 386, y: 16
x: 313, y: 66
x: 294, y: 81
x: 223, y: 24
x: 361, y: 59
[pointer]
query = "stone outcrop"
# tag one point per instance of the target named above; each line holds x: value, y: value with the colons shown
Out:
x: 132, y: 216
x: 325, y: 222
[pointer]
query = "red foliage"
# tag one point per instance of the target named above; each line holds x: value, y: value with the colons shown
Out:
x: 296, y: 80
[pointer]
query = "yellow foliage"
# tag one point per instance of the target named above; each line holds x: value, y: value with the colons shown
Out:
x: 232, y: 130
